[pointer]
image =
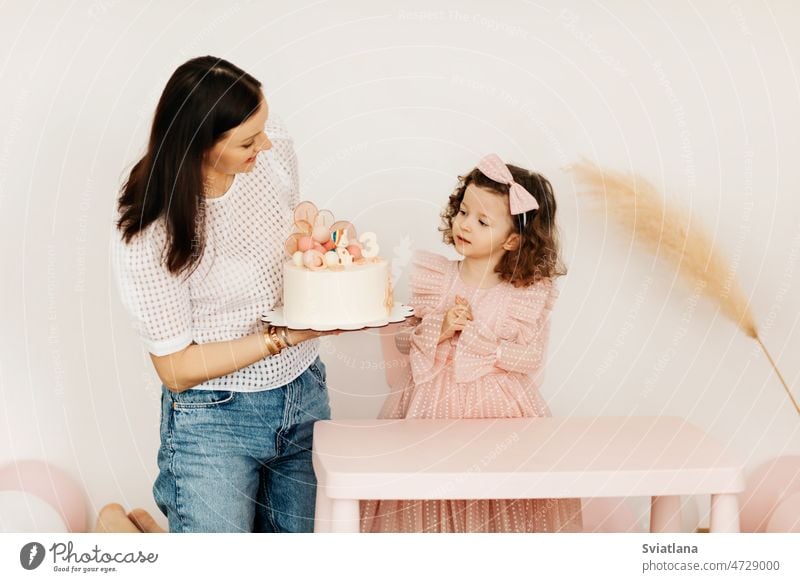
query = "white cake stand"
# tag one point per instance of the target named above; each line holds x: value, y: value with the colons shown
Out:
x: 400, y: 312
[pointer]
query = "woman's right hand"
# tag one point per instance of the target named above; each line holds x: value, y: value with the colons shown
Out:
x: 455, y: 319
x: 197, y: 363
x: 301, y: 335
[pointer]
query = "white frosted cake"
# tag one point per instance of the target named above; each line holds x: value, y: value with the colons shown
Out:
x: 334, y: 279
x: 358, y: 294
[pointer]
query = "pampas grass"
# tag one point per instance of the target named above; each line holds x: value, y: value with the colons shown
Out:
x: 675, y: 236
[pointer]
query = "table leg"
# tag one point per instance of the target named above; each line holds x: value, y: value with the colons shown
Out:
x: 322, y: 512
x: 724, y: 513
x: 665, y: 513
x: 345, y: 516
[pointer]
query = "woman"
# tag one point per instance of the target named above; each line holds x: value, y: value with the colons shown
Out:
x: 198, y: 254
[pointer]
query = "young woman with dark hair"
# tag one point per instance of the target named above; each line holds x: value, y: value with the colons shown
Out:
x: 198, y: 253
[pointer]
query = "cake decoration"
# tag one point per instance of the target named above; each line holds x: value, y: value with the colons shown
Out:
x: 388, y: 300
x: 334, y: 277
x: 319, y: 241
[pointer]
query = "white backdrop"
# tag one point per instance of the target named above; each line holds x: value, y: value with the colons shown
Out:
x: 387, y: 104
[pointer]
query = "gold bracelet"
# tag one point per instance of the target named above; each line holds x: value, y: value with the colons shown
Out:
x: 285, y: 337
x: 273, y: 333
x: 271, y: 347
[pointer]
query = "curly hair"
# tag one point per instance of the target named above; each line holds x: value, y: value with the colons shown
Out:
x: 538, y: 256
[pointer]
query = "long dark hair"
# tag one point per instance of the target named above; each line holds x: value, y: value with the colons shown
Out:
x: 538, y: 255
x: 204, y: 98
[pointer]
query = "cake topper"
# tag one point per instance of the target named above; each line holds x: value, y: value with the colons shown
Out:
x: 319, y: 241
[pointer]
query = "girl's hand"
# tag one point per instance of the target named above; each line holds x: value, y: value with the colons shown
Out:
x: 456, y: 318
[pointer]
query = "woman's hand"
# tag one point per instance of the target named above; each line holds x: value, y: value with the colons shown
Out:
x: 301, y: 335
x: 195, y: 364
x: 456, y: 318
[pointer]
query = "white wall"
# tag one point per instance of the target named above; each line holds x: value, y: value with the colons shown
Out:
x: 387, y: 105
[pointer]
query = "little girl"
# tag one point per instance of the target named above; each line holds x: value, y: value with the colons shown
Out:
x: 478, y: 344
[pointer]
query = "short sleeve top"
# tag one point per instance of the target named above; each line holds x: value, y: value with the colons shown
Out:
x: 239, y: 277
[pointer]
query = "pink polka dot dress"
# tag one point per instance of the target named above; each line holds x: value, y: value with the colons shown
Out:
x: 489, y: 370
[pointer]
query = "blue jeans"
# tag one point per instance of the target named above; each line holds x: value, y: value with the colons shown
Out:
x: 241, y: 461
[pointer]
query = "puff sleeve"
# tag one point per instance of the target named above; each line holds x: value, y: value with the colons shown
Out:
x: 429, y: 285
x: 283, y: 157
x: 157, y: 301
x: 481, y: 351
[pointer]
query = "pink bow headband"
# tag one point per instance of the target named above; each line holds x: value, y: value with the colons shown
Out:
x: 519, y: 199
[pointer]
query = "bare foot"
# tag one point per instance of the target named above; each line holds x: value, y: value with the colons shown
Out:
x: 144, y: 521
x: 112, y: 519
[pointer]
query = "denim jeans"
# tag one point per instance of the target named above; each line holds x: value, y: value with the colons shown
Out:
x: 241, y: 461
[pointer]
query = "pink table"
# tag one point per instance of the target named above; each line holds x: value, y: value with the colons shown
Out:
x: 535, y: 458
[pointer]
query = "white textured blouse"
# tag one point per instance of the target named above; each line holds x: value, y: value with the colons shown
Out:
x: 240, y: 275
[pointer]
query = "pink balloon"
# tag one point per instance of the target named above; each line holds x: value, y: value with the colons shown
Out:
x: 786, y: 517
x: 50, y: 484
x: 765, y: 488
x: 22, y: 512
x: 608, y: 514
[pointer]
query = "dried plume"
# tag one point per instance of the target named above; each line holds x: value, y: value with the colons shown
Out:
x: 672, y: 234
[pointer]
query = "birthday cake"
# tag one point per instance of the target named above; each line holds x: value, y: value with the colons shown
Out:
x: 334, y: 278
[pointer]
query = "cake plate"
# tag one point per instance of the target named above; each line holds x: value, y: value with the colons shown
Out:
x: 400, y: 312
